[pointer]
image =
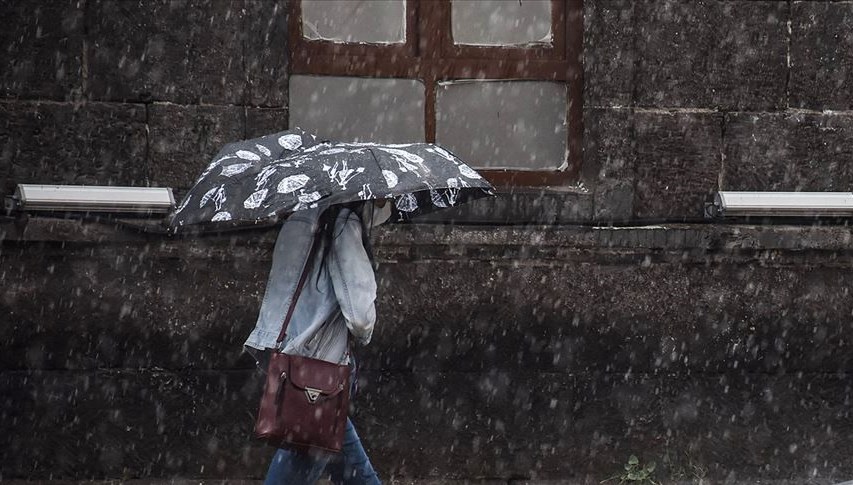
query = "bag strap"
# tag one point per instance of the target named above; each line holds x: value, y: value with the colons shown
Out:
x: 307, y: 269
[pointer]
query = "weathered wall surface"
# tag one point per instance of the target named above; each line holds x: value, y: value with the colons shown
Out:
x: 514, y: 352
x: 503, y: 352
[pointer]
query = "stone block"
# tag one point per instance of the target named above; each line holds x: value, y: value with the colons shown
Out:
x: 130, y: 307
x: 608, y: 144
x: 266, y: 52
x: 712, y: 54
x: 609, y: 52
x: 609, y: 161
x: 94, y: 143
x: 821, y: 55
x: 186, y: 52
x: 677, y: 163
x: 614, y: 200
x: 788, y: 152
x: 42, y: 49
x: 130, y: 423
x: 260, y: 122
x: 184, y: 140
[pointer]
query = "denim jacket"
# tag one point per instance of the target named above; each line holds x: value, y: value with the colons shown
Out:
x: 337, y: 298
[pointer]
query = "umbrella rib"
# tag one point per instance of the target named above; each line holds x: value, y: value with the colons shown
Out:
x: 375, y: 159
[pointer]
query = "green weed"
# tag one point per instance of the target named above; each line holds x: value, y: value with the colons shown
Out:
x: 635, y: 473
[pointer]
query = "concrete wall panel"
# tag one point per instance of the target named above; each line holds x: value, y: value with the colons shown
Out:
x: 711, y: 54
x: 265, y: 50
x: 822, y: 55
x: 609, y: 160
x: 95, y: 143
x: 677, y: 163
x: 183, y: 52
x: 610, y: 57
x: 42, y: 50
x: 794, y: 152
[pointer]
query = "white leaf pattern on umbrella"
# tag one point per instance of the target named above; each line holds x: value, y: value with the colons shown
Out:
x: 452, y: 191
x: 341, y: 175
x: 231, y: 170
x: 390, y: 178
x: 247, y: 155
x: 406, y: 162
x: 290, y: 142
x: 219, y: 198
x: 333, y: 151
x: 221, y: 216
x: 316, y: 147
x: 365, y: 193
x: 263, y: 177
x: 295, y: 162
x: 254, y: 201
x: 210, y: 194
x: 311, y: 197
x: 407, y: 203
x: 437, y: 200
x: 293, y: 183
x: 266, y: 151
x: 442, y: 152
x: 469, y: 172
x: 307, y: 199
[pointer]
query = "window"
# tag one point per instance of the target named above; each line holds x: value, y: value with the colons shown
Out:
x: 498, y: 82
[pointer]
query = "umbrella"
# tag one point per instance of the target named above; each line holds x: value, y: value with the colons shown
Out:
x: 262, y: 180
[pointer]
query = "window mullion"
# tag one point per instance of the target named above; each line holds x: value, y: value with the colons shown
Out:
x: 430, y: 84
x: 433, y: 20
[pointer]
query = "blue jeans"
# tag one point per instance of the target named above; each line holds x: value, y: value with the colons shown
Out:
x: 350, y: 467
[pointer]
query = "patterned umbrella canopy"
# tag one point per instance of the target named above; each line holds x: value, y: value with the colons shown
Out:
x: 262, y: 180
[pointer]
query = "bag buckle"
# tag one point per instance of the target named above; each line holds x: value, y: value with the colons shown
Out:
x: 312, y: 394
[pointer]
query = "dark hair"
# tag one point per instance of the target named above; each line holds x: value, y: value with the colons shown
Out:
x: 326, y: 231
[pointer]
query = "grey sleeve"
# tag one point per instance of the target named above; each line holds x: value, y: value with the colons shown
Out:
x: 353, y: 278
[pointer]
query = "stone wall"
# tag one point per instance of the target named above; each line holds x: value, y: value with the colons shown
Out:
x: 683, y: 98
x: 136, y: 93
x: 504, y: 353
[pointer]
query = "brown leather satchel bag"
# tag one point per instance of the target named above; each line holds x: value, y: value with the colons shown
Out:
x: 305, y: 401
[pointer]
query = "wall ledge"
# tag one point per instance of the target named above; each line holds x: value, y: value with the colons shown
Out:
x: 706, y: 237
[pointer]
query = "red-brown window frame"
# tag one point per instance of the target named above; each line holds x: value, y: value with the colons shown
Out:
x: 431, y: 56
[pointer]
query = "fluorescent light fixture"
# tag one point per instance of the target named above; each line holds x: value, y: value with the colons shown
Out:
x: 93, y: 198
x: 781, y: 204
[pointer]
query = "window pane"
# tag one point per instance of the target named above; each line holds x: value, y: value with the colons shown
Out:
x: 358, y: 109
x: 501, y: 22
x: 357, y: 21
x: 503, y: 124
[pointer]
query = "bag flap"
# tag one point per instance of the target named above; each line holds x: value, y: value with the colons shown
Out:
x: 326, y: 377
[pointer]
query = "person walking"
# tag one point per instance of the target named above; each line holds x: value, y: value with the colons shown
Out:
x: 336, y: 306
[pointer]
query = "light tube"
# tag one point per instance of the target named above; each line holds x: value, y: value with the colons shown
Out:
x: 781, y: 204
x: 93, y: 198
